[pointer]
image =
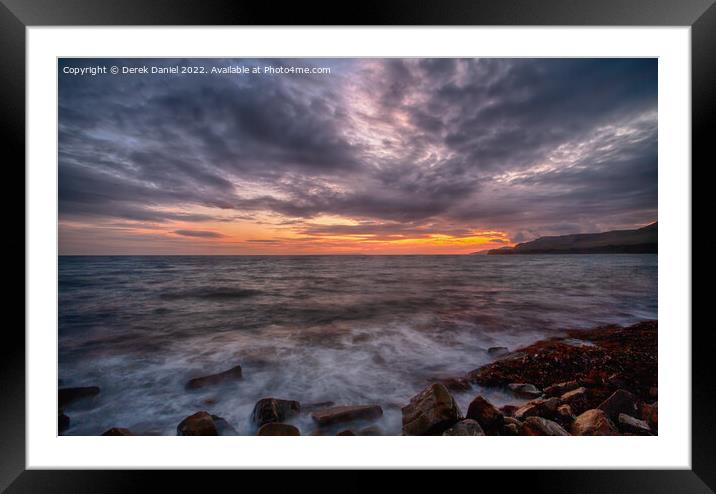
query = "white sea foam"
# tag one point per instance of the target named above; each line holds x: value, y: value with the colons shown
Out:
x: 356, y: 330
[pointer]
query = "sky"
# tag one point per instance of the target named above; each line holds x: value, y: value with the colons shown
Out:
x: 378, y: 156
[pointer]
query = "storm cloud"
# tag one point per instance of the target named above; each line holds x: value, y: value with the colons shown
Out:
x: 398, y: 146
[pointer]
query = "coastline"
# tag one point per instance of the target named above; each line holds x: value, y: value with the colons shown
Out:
x: 600, y: 381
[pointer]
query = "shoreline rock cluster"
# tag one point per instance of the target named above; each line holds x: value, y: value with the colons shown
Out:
x: 589, y: 383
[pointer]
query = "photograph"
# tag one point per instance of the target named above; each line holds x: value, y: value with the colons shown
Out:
x: 357, y: 247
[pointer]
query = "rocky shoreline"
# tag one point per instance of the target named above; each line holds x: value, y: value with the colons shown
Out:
x: 601, y: 381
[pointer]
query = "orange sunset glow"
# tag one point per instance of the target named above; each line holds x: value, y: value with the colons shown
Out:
x: 418, y: 156
x: 356, y: 247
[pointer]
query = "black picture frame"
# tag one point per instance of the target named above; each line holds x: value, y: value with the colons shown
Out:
x: 17, y: 15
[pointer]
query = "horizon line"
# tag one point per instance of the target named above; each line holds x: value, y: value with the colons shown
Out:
x: 255, y: 255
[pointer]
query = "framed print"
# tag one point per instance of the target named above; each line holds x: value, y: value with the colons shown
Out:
x: 410, y: 227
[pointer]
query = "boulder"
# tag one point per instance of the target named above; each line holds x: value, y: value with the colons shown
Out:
x: 538, y: 426
x: 510, y: 430
x: 63, y: 422
x: 525, y: 390
x: 509, y: 410
x: 564, y: 416
x: 65, y: 396
x: 232, y: 374
x: 117, y: 431
x: 199, y: 424
x: 278, y: 429
x: 339, y: 414
x: 576, y: 399
x: 620, y: 401
x: 627, y: 423
x: 560, y: 388
x: 274, y: 410
x: 514, y: 421
x: 489, y: 417
x: 430, y: 412
x: 467, y: 427
x: 538, y: 408
x: 594, y: 422
x: 498, y: 351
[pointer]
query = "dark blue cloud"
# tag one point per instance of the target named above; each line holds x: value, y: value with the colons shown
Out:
x: 529, y: 145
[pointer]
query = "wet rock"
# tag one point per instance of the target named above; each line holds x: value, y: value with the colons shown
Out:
x: 66, y: 396
x: 278, y: 429
x: 510, y: 430
x: 467, y: 427
x: 454, y: 383
x: 594, y: 422
x: 631, y: 352
x: 430, y: 412
x: 576, y: 399
x: 334, y: 415
x: 63, y: 422
x: 650, y: 414
x: 498, y: 351
x: 560, y: 388
x: 232, y: 374
x: 564, y: 416
x: 274, y: 410
x: 373, y: 430
x: 489, y: 417
x: 117, y: 431
x: 538, y: 408
x: 223, y: 427
x: 512, y: 420
x: 620, y: 401
x: 361, y: 338
x: 524, y: 390
x: 509, y: 410
x: 538, y: 426
x: 199, y: 424
x: 346, y: 433
x: 627, y: 423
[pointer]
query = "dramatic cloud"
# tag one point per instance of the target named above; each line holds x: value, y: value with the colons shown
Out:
x: 468, y: 153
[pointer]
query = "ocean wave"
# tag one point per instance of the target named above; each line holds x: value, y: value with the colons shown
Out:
x: 212, y: 294
x: 351, y: 330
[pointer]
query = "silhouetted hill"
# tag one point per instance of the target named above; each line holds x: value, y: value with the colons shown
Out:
x: 640, y: 241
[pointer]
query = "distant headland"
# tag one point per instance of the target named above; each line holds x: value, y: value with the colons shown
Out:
x: 640, y: 241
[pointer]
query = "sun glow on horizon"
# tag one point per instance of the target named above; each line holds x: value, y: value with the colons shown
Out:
x: 379, y: 156
x: 245, y: 236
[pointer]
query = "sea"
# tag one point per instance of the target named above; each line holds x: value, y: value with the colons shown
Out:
x: 350, y: 330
